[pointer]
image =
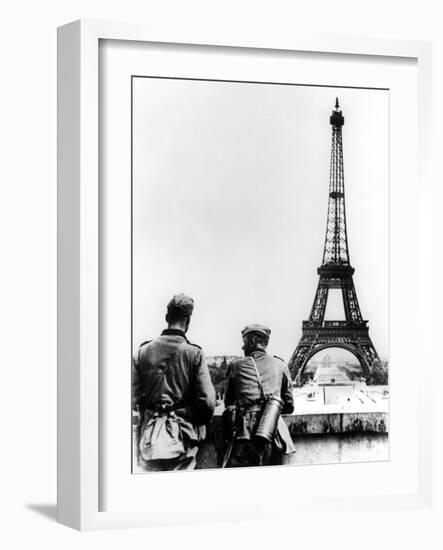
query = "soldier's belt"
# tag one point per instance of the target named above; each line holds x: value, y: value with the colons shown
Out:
x: 254, y: 406
x: 165, y: 408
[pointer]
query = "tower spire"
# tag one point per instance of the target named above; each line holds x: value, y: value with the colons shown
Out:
x: 336, y: 239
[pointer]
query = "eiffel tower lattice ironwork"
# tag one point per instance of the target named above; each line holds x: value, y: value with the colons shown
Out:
x: 335, y: 272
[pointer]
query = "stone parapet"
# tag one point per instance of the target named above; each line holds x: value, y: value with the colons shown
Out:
x: 343, y: 422
x: 324, y: 438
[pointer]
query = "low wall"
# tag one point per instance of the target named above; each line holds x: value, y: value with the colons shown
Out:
x: 324, y: 439
x: 337, y: 423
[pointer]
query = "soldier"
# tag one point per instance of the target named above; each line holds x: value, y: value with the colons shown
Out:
x: 173, y: 392
x: 251, y: 381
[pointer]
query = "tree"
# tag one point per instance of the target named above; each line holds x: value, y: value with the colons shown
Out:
x: 379, y: 374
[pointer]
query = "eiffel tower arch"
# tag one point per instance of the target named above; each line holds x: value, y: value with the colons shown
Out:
x: 333, y: 336
x: 336, y: 272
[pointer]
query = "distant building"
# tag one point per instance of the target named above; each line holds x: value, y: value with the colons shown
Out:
x: 326, y: 362
x: 337, y: 388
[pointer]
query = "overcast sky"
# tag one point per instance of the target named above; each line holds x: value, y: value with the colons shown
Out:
x: 230, y: 188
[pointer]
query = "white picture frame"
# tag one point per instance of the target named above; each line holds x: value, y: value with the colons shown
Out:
x: 79, y: 410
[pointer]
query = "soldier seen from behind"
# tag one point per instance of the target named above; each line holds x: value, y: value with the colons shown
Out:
x: 258, y: 391
x: 173, y: 393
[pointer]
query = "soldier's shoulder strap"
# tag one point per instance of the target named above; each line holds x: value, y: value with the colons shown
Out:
x: 194, y: 345
x: 144, y: 343
x: 137, y: 355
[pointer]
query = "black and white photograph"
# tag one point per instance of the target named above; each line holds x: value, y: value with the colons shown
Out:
x: 222, y: 254
x: 260, y: 274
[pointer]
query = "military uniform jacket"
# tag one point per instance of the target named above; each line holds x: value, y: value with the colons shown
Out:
x: 173, y: 372
x: 243, y: 390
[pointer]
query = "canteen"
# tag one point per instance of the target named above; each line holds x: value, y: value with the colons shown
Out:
x: 269, y: 418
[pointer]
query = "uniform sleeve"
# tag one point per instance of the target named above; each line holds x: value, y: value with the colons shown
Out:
x: 136, y: 383
x: 229, y: 390
x: 203, y: 401
x: 287, y: 392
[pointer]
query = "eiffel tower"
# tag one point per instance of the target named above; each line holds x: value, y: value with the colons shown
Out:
x: 336, y: 272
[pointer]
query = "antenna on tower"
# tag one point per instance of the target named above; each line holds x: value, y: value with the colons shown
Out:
x: 337, y: 119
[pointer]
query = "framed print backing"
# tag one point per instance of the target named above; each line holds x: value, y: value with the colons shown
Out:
x: 97, y: 66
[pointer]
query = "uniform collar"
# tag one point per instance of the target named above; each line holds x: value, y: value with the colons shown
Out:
x: 257, y: 353
x: 174, y: 332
